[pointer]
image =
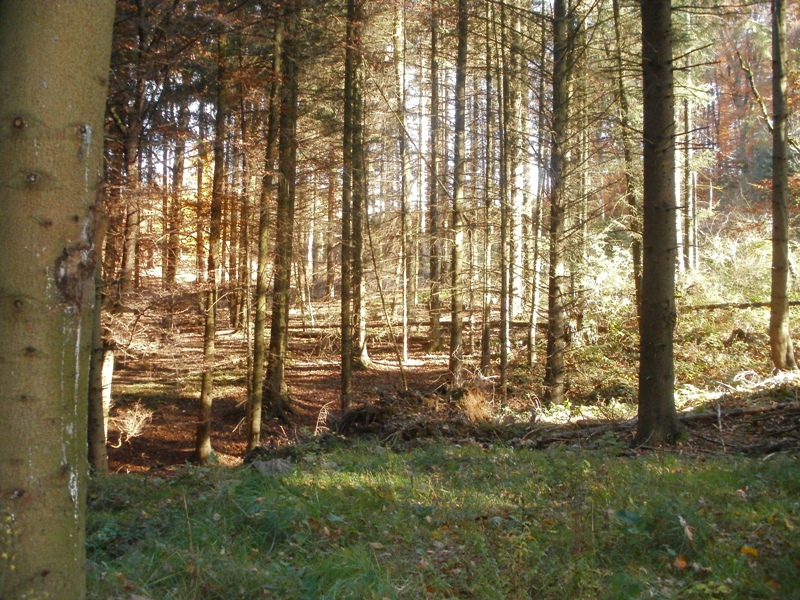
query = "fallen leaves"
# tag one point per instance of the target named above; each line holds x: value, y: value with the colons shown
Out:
x: 749, y: 551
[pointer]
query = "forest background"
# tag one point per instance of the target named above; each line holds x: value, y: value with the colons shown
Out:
x: 368, y: 173
x: 435, y: 208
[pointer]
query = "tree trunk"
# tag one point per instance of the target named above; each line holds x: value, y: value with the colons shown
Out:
x: 657, y: 417
x: 780, y: 340
x: 262, y: 280
x: 505, y: 198
x: 631, y: 192
x: 359, y: 195
x: 405, y: 164
x: 174, y: 214
x: 203, y: 449
x: 277, y: 390
x: 129, y: 274
x: 459, y: 163
x: 200, y: 206
x: 486, y: 327
x: 330, y: 238
x: 434, y: 243
x: 97, y: 434
x: 556, y: 326
x: 54, y: 61
x: 352, y: 69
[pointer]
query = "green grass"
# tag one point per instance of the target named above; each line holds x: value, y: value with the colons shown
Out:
x: 453, y: 522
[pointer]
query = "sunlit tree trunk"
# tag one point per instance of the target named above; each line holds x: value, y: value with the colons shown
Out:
x: 434, y: 243
x: 541, y: 190
x: 245, y: 272
x: 284, y: 228
x: 200, y: 205
x: 203, y: 449
x: 556, y: 325
x: 657, y: 417
x: 359, y: 196
x: 130, y: 147
x: 262, y: 280
x: 489, y: 158
x: 405, y: 164
x: 97, y: 434
x: 173, y: 217
x: 330, y: 238
x: 631, y: 191
x: 54, y: 59
x: 459, y: 163
x: 506, y: 184
x: 780, y: 340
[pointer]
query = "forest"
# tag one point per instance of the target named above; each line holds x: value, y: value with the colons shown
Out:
x: 388, y: 298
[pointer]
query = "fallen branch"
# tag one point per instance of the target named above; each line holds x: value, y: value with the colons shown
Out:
x: 629, y: 424
x: 732, y: 305
x: 735, y: 412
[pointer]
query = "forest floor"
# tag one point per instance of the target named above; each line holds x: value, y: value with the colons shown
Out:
x: 156, y: 388
x: 437, y: 493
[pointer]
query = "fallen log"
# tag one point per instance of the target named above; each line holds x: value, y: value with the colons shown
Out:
x: 731, y: 305
x: 629, y: 424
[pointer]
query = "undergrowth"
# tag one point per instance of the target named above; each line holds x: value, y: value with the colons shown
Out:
x: 449, y: 521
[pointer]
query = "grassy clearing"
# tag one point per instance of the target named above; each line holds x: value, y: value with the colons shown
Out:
x: 444, y: 521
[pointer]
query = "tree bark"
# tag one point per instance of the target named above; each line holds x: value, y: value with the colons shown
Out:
x: 359, y: 196
x: 658, y: 424
x: 173, y: 217
x: 277, y: 389
x: 556, y: 326
x: 352, y: 69
x: 434, y: 243
x: 631, y: 191
x: 54, y: 61
x: 98, y: 409
x: 262, y: 279
x: 456, y: 364
x: 486, y: 328
x: 780, y: 340
x: 405, y: 164
x: 203, y: 449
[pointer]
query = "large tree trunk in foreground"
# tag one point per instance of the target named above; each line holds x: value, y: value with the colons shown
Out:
x: 657, y: 417
x: 53, y: 71
x: 780, y: 340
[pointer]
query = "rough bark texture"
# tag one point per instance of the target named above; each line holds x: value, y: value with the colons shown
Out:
x: 780, y: 340
x: 53, y: 74
x: 657, y: 417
